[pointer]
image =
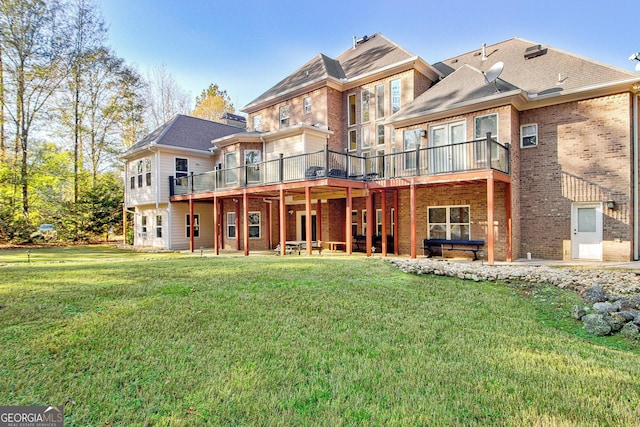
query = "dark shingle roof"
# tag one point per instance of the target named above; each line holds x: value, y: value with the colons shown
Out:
x: 553, y: 72
x: 373, y: 54
x: 186, y: 132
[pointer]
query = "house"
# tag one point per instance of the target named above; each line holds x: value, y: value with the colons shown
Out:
x: 522, y: 146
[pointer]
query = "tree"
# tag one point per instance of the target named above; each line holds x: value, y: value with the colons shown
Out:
x: 88, y: 33
x: 213, y: 103
x: 35, y: 59
x: 129, y: 104
x: 165, y: 98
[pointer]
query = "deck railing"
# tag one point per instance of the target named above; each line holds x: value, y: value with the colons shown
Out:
x: 480, y: 154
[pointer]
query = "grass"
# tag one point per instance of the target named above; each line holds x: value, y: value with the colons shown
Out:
x: 186, y: 341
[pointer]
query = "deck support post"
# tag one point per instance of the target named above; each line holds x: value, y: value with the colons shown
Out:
x: 245, y: 225
x: 490, y: 219
x: 412, y: 208
x: 347, y: 223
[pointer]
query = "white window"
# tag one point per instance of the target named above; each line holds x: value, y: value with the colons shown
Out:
x: 231, y: 225
x: 252, y: 160
x: 254, y: 225
x: 159, y: 226
x: 379, y: 221
x: 132, y: 181
x: 411, y: 141
x: 482, y: 125
x: 196, y: 225
x: 449, y: 222
x: 147, y: 170
x: 143, y: 225
x: 364, y: 100
x: 306, y: 105
x: 380, y: 163
x: 284, y: 116
x: 380, y: 134
x: 379, y: 102
x: 231, y: 164
x: 395, y: 95
x: 353, y: 141
x: 257, y: 123
x: 139, y: 173
x: 351, y: 109
x: 529, y: 135
x: 182, y: 171
x: 366, y: 136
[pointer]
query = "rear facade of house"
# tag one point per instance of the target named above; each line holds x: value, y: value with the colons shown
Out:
x: 529, y: 149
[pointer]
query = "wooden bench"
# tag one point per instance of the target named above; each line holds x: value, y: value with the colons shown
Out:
x: 431, y: 245
x: 333, y: 245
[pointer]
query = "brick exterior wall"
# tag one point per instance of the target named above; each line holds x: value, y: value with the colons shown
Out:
x: 583, y: 155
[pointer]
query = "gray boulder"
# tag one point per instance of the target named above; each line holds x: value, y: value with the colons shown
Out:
x: 615, y: 321
x: 630, y: 331
x: 595, y: 294
x: 604, y: 307
x: 596, y: 324
x: 578, y: 312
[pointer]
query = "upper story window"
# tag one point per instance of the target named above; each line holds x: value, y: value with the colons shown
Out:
x: 257, y: 123
x: 364, y: 101
x: 139, y: 173
x: 231, y: 165
x: 379, y: 102
x: 482, y: 125
x: 411, y: 141
x: 395, y: 96
x: 380, y: 134
x: 306, y: 105
x: 284, y: 116
x: 182, y: 171
x: 529, y: 135
x: 252, y: 160
x: 353, y: 140
x: 366, y: 136
x: 351, y: 108
x: 147, y: 172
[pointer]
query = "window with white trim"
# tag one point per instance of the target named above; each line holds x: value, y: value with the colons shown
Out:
x: 132, y: 181
x: 147, y: 171
x: 393, y: 221
x: 379, y: 102
x: 254, y: 225
x: 379, y: 222
x: 353, y: 141
x: 284, y: 116
x: 380, y: 134
x: 231, y: 225
x: 231, y: 165
x: 411, y: 141
x: 482, y: 125
x: 449, y: 222
x: 196, y: 225
x: 366, y: 136
x: 394, y: 87
x: 143, y: 225
x: 529, y: 135
x: 252, y: 162
x: 182, y: 171
x: 139, y: 173
x: 364, y: 222
x: 306, y: 105
x: 257, y: 123
x: 351, y: 109
x: 365, y: 101
x: 159, y: 226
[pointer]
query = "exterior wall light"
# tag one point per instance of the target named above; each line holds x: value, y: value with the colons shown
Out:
x: 611, y: 204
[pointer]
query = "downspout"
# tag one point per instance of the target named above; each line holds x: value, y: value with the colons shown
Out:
x: 636, y: 203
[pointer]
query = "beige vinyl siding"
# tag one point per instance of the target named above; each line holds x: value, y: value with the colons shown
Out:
x: 197, y: 165
x: 179, y: 239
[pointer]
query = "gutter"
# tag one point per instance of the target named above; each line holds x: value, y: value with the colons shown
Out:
x: 636, y: 203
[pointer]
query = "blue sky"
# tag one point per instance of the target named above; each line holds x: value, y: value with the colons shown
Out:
x: 248, y: 46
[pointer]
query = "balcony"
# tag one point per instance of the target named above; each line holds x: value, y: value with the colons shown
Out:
x: 482, y: 154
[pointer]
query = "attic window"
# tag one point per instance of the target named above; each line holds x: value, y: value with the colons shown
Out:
x: 534, y: 51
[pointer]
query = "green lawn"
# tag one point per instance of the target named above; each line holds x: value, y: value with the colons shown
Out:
x: 185, y: 341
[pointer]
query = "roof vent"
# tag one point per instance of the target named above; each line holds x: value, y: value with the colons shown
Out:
x: 359, y: 41
x: 534, y: 51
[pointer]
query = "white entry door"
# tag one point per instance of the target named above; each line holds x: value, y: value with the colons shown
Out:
x: 586, y: 225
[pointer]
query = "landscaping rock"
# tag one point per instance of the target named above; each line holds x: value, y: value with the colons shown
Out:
x: 616, y: 322
x: 604, y: 307
x: 595, y: 294
x: 578, y: 312
x: 596, y: 324
x: 630, y: 331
